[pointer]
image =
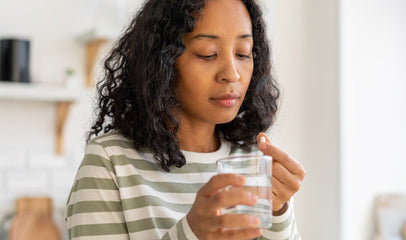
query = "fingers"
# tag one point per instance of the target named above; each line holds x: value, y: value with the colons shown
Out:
x: 287, y: 174
x: 231, y: 197
x: 233, y: 221
x: 280, y: 194
x: 220, y: 181
x: 205, y: 218
x: 278, y: 155
x: 230, y: 226
x: 289, y: 181
x: 238, y: 226
x: 239, y: 234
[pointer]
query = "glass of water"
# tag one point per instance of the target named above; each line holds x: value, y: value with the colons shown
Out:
x: 257, y: 170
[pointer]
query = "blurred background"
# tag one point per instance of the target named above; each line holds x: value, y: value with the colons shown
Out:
x: 341, y: 65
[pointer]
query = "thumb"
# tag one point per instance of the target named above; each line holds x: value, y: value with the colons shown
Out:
x: 263, y: 141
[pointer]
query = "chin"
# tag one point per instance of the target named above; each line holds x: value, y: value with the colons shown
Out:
x: 226, y: 119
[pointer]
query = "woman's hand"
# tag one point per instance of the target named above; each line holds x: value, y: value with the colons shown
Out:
x: 287, y: 174
x: 205, y: 218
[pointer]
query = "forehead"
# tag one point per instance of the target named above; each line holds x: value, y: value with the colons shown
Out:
x: 224, y: 17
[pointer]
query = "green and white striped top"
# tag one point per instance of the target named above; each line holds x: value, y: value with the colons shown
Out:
x: 120, y: 193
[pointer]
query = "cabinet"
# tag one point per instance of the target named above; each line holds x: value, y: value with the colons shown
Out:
x: 60, y: 96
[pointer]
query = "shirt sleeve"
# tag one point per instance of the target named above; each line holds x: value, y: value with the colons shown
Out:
x: 283, y: 227
x: 94, y: 210
x: 181, y: 231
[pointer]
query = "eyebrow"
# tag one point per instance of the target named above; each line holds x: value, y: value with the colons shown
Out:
x: 198, y: 36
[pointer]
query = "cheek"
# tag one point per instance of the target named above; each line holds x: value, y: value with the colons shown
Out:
x: 246, y: 68
x: 193, y: 81
x: 189, y: 89
x: 246, y: 75
x: 250, y: 69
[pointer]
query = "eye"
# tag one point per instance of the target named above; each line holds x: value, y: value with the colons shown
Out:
x: 207, y: 57
x: 243, y: 56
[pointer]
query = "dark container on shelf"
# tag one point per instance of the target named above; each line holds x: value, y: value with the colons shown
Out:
x: 14, y: 60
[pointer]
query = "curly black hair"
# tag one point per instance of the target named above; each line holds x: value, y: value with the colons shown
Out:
x: 138, y: 94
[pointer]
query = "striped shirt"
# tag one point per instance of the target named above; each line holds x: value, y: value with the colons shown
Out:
x: 120, y: 193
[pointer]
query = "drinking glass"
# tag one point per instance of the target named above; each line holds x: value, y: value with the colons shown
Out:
x: 257, y: 170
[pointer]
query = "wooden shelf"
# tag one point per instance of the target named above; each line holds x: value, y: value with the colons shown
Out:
x: 62, y: 97
x: 95, y: 41
x: 38, y: 92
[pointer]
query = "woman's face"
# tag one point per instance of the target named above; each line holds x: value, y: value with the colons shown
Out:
x: 216, y: 67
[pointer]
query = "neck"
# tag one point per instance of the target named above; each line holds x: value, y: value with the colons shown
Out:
x: 198, y: 139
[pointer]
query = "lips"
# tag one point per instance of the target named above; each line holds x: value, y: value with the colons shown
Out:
x: 227, y: 100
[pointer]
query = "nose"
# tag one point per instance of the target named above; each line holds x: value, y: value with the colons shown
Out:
x: 228, y: 71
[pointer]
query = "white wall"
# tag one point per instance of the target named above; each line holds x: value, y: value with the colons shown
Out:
x: 373, y: 112
x: 342, y: 67
x: 305, y: 42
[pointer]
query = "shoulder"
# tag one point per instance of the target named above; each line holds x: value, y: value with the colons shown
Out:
x: 110, y: 139
x: 112, y: 143
x: 116, y: 148
x: 101, y: 145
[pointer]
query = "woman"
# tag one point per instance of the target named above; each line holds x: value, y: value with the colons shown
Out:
x: 187, y: 84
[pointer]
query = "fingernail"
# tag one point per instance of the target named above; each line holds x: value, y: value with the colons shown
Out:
x: 254, y: 221
x: 254, y: 198
x: 262, y: 143
x: 240, y: 179
x: 257, y: 231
